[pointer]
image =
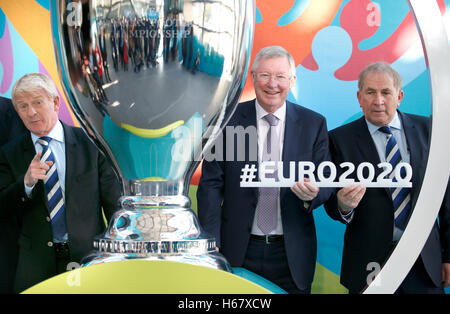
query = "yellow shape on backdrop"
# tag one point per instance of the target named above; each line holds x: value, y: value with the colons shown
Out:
x: 140, y: 276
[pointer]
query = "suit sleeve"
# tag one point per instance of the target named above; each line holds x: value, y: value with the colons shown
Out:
x: 331, y: 205
x: 321, y: 153
x: 12, y: 190
x: 110, y: 190
x: 444, y: 225
x: 210, y: 197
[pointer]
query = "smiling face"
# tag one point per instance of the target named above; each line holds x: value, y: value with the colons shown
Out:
x: 38, y: 111
x: 379, y: 98
x: 272, y: 93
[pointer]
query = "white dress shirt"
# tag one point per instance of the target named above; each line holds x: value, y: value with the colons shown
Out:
x: 262, y: 127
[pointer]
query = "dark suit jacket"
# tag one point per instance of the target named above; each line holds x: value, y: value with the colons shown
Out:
x: 227, y: 211
x: 11, y: 127
x: 90, y: 184
x: 368, y: 237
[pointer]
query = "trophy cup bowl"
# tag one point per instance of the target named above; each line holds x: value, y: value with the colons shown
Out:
x: 152, y: 82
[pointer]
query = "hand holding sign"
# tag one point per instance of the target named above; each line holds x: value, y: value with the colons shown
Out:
x: 349, y: 197
x: 305, y: 191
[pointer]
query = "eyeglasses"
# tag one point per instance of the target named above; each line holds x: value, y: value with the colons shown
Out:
x: 264, y: 77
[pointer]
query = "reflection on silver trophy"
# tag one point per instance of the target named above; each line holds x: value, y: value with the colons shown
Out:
x: 138, y: 75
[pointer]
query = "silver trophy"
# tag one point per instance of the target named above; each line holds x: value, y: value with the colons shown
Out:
x: 152, y: 82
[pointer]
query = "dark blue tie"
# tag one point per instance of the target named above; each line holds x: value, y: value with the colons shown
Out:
x: 54, y: 193
x: 401, y: 197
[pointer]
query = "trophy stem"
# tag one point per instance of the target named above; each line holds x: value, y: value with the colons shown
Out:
x: 154, y: 194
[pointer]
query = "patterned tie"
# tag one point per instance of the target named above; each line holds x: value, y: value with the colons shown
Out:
x: 268, y: 196
x: 401, y: 197
x: 54, y: 193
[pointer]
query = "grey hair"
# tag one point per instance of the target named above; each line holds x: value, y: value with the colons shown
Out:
x: 274, y: 52
x: 33, y: 82
x: 380, y: 67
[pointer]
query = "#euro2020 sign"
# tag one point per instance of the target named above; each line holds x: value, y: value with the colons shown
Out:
x: 437, y: 50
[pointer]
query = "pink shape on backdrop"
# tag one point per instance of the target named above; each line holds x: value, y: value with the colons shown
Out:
x: 64, y: 113
x: 354, y: 19
x: 7, y: 60
x: 310, y: 63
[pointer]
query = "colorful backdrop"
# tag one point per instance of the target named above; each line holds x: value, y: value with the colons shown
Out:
x: 331, y: 41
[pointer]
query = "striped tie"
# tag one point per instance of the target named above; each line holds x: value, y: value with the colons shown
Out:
x: 401, y: 197
x: 54, y: 193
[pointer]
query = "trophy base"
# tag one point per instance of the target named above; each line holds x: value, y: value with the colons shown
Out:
x: 156, y: 233
x: 213, y: 260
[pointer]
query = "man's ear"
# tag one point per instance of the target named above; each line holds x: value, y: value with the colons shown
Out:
x: 400, y: 97
x: 358, y: 95
x: 292, y: 81
x: 56, y: 103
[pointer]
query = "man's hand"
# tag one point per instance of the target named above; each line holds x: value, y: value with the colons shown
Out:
x: 37, y: 170
x: 445, y: 275
x: 349, y: 197
x: 305, y: 191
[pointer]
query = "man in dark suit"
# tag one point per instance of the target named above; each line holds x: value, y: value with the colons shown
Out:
x: 55, y: 182
x: 285, y: 251
x: 376, y: 217
x: 11, y: 127
x: 10, y: 124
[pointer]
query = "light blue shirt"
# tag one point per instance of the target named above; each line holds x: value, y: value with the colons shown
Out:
x: 380, y: 139
x: 58, y: 149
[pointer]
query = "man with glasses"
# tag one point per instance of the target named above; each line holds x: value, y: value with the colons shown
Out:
x: 269, y: 231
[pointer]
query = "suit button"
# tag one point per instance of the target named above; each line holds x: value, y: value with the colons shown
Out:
x: 50, y: 243
x: 48, y: 219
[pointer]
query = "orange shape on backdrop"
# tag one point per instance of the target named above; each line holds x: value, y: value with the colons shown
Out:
x: 32, y: 22
x: 295, y: 37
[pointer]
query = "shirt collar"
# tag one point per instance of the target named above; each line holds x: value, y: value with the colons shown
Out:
x: 394, y: 124
x: 260, y: 112
x: 57, y: 133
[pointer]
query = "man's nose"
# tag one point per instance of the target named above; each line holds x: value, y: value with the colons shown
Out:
x: 379, y: 99
x: 31, y: 111
x: 272, y: 82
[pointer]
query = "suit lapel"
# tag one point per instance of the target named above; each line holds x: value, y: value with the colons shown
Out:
x: 365, y: 144
x: 414, y: 149
x: 28, y: 150
x: 71, y: 148
x: 247, y: 118
x: 248, y: 114
x: 293, y: 129
x: 367, y: 148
